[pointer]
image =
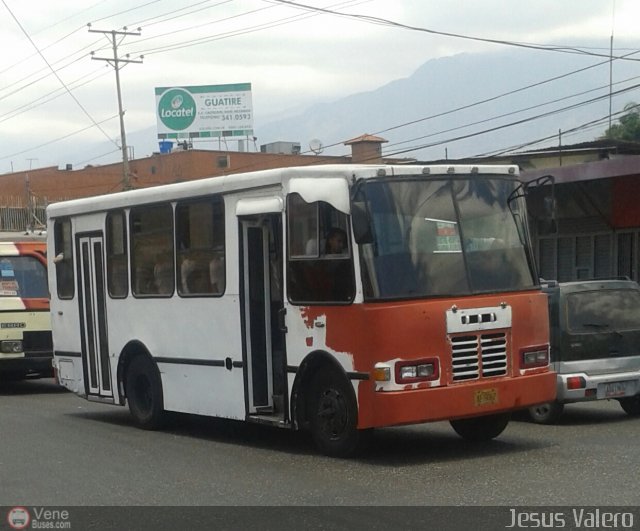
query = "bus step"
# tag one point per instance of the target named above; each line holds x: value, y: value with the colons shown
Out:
x: 264, y: 410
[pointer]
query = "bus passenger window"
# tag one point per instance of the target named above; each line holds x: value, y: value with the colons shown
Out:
x: 151, y: 232
x: 63, y: 259
x: 200, y: 246
x: 117, y: 274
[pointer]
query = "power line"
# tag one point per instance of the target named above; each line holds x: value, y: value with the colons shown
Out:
x: 387, y: 22
x: 511, y: 124
x: 580, y: 128
x: 494, y: 98
x: 52, y: 95
x: 58, y: 139
x: 533, y: 107
x: 150, y: 21
x: 299, y: 17
x: 21, y: 61
x: 234, y: 33
x: 96, y: 124
x: 135, y: 8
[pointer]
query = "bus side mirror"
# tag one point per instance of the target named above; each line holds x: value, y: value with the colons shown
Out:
x: 361, y: 223
x: 546, y: 219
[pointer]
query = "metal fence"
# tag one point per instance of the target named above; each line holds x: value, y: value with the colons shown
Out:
x: 19, y: 213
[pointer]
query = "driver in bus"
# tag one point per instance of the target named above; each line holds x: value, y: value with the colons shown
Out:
x: 336, y: 241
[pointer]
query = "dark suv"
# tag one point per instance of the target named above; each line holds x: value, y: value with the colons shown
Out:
x: 595, y: 344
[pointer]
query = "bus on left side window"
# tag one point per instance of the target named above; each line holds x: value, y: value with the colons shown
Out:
x: 26, y: 348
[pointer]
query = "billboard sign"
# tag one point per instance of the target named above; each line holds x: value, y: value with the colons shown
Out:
x: 205, y: 111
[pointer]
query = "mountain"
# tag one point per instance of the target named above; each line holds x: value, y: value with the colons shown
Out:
x: 450, y: 83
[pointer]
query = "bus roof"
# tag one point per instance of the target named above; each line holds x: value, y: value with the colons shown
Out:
x: 263, y: 178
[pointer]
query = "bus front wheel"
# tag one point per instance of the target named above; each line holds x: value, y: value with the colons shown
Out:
x: 333, y: 414
x: 482, y: 428
x: 144, y: 393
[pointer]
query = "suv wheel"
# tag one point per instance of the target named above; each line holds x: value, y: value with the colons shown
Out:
x: 548, y: 413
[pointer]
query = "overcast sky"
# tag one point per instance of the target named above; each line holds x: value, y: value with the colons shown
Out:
x: 293, y: 56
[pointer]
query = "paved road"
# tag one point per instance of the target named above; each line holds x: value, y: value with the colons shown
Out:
x: 58, y: 449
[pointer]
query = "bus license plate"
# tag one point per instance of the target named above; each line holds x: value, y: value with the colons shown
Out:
x: 485, y: 397
x: 614, y: 389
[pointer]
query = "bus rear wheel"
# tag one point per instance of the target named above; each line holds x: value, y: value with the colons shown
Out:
x: 333, y: 414
x: 483, y: 428
x: 144, y: 393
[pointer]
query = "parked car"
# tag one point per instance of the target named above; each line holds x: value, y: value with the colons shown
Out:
x: 595, y: 344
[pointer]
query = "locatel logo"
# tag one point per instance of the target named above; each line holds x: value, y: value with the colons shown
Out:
x: 177, y: 109
x: 18, y: 518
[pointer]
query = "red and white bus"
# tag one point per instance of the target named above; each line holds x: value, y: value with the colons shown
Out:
x: 26, y: 348
x: 330, y: 298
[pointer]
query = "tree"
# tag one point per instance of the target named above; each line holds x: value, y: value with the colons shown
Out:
x: 628, y: 126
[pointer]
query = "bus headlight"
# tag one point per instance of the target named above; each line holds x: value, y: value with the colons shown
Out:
x: 11, y: 346
x: 417, y: 371
x: 534, y: 357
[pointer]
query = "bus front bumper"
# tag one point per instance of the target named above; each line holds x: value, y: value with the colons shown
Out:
x: 458, y: 401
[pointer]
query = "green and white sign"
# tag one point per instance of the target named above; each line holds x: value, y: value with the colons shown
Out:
x: 204, y: 111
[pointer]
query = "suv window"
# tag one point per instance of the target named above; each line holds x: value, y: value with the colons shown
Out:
x: 603, y: 310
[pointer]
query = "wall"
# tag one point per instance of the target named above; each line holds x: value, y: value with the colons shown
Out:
x: 54, y: 184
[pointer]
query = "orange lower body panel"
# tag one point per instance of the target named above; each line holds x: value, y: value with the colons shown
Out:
x: 458, y: 401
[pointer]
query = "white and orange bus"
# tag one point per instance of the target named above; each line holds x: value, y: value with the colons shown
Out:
x: 26, y: 348
x: 330, y: 298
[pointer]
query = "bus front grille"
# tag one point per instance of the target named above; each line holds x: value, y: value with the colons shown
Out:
x: 478, y: 355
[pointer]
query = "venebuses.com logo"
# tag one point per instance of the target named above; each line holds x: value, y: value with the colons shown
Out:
x: 38, y: 518
x: 18, y: 518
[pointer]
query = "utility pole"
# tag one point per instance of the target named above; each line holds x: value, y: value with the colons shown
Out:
x: 610, y: 78
x: 115, y: 62
x: 29, y: 197
x: 560, y: 146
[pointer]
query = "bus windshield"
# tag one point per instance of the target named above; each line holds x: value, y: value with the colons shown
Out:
x: 23, y: 276
x: 441, y: 237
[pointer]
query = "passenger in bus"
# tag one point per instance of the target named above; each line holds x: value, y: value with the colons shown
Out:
x: 163, y: 274
x: 186, y: 270
x: 311, y: 248
x: 216, y: 274
x: 336, y: 241
x: 194, y: 277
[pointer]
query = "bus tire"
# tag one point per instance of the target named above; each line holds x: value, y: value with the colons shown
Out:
x: 631, y: 405
x: 333, y: 414
x: 144, y: 393
x: 547, y: 413
x: 479, y: 429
